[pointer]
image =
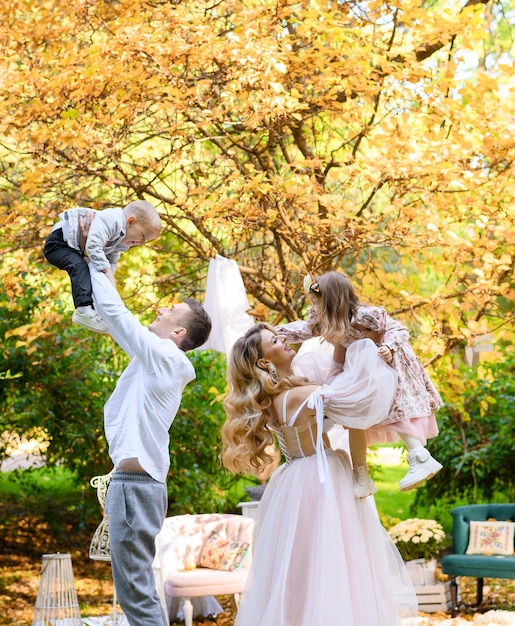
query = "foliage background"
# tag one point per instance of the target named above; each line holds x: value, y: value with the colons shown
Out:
x: 291, y: 137
x: 475, y: 444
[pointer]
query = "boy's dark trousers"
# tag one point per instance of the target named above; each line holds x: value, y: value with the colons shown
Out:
x: 59, y: 253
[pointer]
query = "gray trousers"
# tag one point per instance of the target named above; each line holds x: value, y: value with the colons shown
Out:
x: 136, y: 506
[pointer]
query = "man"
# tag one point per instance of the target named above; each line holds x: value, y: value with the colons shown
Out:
x: 137, y: 418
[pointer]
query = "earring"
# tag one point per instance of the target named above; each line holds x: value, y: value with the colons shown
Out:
x: 272, y: 370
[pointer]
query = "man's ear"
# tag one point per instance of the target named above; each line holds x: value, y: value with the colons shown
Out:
x: 177, y: 335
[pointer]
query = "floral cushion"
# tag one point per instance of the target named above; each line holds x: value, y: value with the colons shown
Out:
x: 491, y: 538
x: 222, y: 554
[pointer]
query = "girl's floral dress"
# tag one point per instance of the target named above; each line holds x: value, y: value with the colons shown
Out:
x: 416, y: 400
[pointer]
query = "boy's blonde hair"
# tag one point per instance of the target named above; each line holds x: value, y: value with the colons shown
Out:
x: 145, y: 213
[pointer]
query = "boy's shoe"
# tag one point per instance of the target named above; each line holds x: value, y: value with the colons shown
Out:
x: 422, y: 466
x: 90, y: 319
x: 363, y: 484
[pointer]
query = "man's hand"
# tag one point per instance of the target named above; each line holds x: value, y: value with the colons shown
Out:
x: 84, y: 230
x: 110, y: 275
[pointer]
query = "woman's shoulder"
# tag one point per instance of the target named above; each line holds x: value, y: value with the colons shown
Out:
x: 299, y: 393
x: 295, y: 398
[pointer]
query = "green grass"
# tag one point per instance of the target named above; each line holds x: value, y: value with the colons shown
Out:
x: 43, y: 495
x: 37, y: 487
x: 18, y: 485
x: 390, y: 500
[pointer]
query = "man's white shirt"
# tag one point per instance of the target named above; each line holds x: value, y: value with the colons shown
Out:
x: 141, y: 409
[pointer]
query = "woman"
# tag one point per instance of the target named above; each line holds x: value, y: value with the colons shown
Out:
x: 321, y: 557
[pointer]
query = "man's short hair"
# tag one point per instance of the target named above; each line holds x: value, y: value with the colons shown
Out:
x: 198, y: 325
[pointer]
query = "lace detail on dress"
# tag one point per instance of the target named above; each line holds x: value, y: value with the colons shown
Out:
x: 296, y: 443
x: 282, y: 443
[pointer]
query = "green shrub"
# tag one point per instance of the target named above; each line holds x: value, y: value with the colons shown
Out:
x: 197, y: 482
x: 476, y: 440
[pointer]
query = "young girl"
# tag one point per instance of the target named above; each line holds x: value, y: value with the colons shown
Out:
x: 339, y: 318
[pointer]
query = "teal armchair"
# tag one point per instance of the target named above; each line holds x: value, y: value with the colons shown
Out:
x: 457, y: 563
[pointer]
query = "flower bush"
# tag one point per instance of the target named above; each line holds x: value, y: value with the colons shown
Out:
x: 418, y: 538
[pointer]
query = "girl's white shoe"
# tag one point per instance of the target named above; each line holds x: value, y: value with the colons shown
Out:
x: 363, y: 484
x: 422, y: 466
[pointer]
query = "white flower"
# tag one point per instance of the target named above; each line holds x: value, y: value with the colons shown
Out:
x: 418, y: 538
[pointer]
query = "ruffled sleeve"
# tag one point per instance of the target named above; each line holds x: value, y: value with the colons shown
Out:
x: 316, y: 365
x: 358, y: 397
x: 299, y: 331
x: 372, y: 318
x: 361, y: 395
x: 395, y: 334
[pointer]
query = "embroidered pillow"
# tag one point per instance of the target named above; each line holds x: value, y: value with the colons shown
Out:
x: 222, y: 554
x: 489, y: 538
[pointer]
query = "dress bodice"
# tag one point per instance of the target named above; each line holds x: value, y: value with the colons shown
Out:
x: 302, y: 441
x: 298, y: 441
x: 358, y: 397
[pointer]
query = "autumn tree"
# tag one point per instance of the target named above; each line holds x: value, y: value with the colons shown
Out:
x: 291, y: 137
x: 374, y: 137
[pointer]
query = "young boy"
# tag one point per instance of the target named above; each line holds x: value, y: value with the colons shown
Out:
x: 112, y: 232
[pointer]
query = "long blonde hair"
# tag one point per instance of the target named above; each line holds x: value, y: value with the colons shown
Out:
x: 335, y: 303
x: 248, y: 445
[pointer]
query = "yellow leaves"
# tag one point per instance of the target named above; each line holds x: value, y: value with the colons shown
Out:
x: 28, y: 334
x: 70, y: 114
x: 259, y: 313
x: 217, y: 395
x: 20, y: 331
x: 278, y: 66
x: 475, y: 328
x: 326, y: 128
x: 486, y: 83
x: 30, y: 186
x: 486, y: 404
x: 9, y: 376
x: 506, y: 290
